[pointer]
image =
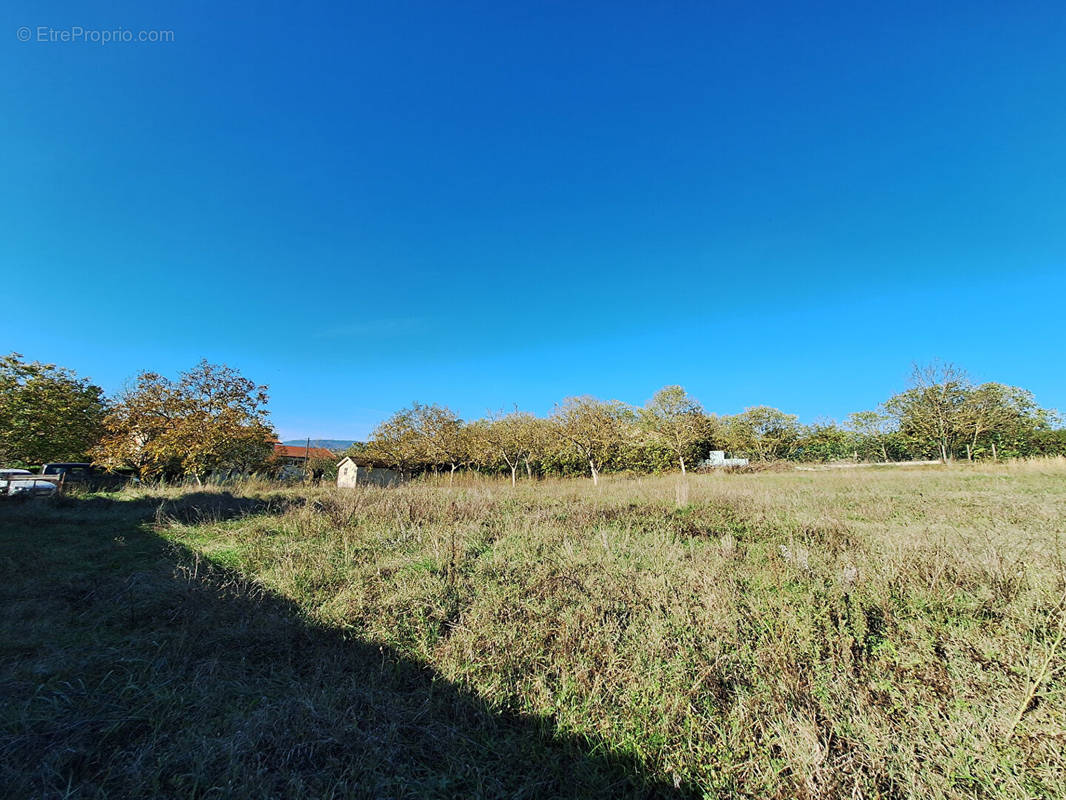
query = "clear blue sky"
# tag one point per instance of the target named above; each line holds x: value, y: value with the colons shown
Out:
x: 482, y: 204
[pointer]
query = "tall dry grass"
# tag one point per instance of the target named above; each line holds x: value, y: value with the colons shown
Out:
x: 865, y: 633
x: 855, y: 633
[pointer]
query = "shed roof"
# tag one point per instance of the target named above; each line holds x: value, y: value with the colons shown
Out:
x: 359, y: 461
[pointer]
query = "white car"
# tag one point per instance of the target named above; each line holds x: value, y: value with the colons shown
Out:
x: 23, y: 482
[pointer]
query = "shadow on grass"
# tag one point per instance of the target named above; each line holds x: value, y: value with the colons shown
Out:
x: 129, y: 667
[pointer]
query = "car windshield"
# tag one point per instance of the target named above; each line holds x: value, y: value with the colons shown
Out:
x: 63, y: 469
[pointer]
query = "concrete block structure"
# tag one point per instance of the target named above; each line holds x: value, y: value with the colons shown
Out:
x: 716, y: 458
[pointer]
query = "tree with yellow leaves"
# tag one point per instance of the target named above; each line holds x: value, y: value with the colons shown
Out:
x: 211, y: 419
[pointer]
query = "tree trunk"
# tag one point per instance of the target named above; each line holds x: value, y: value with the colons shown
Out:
x: 995, y: 457
x: 451, y: 476
x: 943, y: 452
x: 682, y: 460
x: 595, y: 474
x: 969, y: 453
x: 884, y: 452
x: 529, y: 469
x: 514, y: 471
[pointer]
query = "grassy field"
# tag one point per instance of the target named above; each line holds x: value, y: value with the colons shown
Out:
x: 866, y: 633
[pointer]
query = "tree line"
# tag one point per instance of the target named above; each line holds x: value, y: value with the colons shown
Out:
x: 212, y: 420
x: 942, y: 415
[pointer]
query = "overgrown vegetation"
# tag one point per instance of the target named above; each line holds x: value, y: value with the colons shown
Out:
x: 213, y: 421
x: 863, y: 633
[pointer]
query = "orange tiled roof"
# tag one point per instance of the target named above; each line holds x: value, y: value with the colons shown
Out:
x: 301, y: 451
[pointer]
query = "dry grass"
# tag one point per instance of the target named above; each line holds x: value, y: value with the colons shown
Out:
x: 855, y: 633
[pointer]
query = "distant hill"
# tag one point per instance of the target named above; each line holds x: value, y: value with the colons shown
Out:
x: 329, y: 444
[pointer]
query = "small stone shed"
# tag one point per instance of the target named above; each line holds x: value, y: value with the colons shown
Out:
x: 353, y: 472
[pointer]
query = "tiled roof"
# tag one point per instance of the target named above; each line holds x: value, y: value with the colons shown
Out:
x: 301, y: 451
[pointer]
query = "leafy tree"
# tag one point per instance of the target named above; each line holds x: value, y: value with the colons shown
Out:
x: 822, y: 441
x: 441, y: 433
x: 930, y: 412
x: 762, y: 432
x: 211, y: 419
x: 514, y: 438
x: 538, y: 435
x: 136, y: 427
x: 397, y: 442
x: 47, y: 413
x: 873, y: 429
x: 993, y: 415
x: 224, y: 421
x: 481, y: 454
x: 676, y: 420
x: 1047, y: 442
x: 592, y: 427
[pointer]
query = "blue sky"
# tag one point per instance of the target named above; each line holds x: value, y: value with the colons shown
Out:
x: 483, y: 204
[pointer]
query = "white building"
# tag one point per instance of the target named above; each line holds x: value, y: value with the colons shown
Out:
x: 350, y: 473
